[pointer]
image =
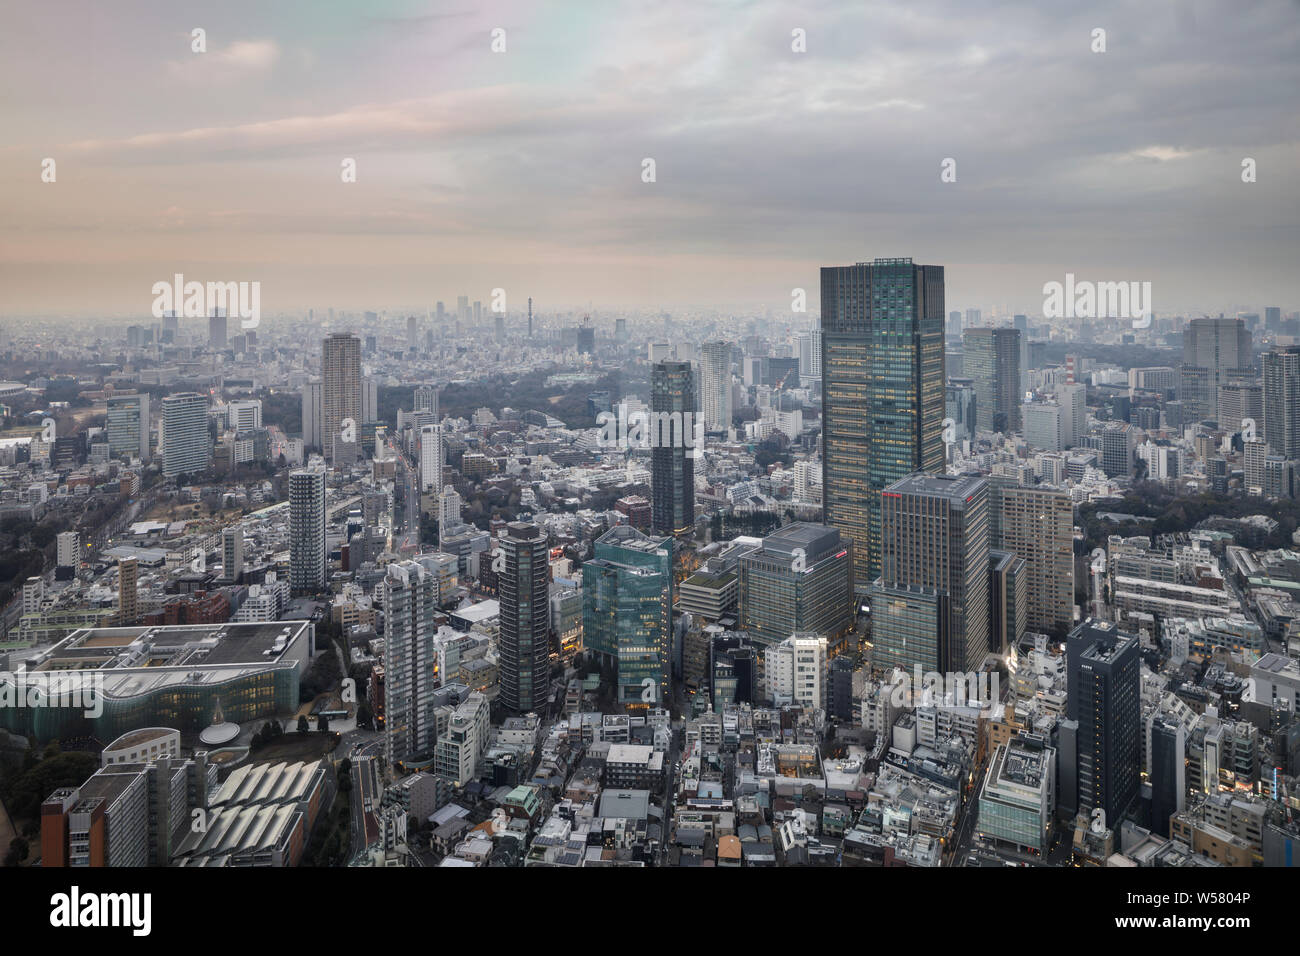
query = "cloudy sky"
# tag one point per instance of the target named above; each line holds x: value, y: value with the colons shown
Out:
x: 523, y: 169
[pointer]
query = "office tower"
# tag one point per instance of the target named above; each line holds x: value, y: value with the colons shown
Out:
x: 991, y: 359
x: 426, y: 400
x: 930, y: 605
x: 1043, y: 425
x: 672, y: 463
x: 410, y: 661
x: 627, y: 606
x: 973, y: 318
x: 524, y: 637
x: 1037, y: 525
x: 1241, y: 400
x: 1103, y: 681
x: 244, y: 416
x: 232, y: 553
x: 169, y: 328
x: 340, y: 387
x: 312, y: 412
x: 1215, y: 351
x: 128, y: 425
x: 1118, y: 442
x: 620, y: 330
x: 478, y: 313
x: 715, y: 386
x: 462, y: 308
x: 1008, y: 600
x: 186, y: 444
x: 796, y: 672
x: 217, y: 330
x: 586, y: 338
x: 1167, y: 770
x: 530, y: 319
x: 959, y: 405
x: 412, y: 333
x: 953, y: 328
x: 307, y: 554
x: 128, y: 594
x: 801, y: 579
x: 1074, y: 412
x: 1281, y: 425
x: 431, y: 459
x: 369, y: 400
x: 810, y: 355
x: 499, y: 326
x: 1272, y: 319
x: 441, y: 312
x: 882, y: 392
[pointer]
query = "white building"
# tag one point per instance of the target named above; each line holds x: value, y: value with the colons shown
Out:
x: 410, y: 664
x: 796, y: 671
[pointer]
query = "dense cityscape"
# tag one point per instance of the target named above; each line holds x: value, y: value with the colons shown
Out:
x: 535, y: 437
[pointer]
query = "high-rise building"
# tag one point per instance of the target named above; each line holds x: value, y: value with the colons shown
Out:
x: 412, y: 332
x: 186, y: 443
x: 800, y: 579
x: 715, y: 385
x: 1167, y: 753
x: 127, y: 423
x: 1118, y: 443
x: 627, y: 597
x: 431, y: 459
x: 410, y: 660
x: 217, y: 330
x: 882, y: 392
x: 312, y: 412
x: 1281, y: 426
x: 991, y: 359
x: 810, y: 355
x: 426, y: 400
x: 1043, y: 425
x: 959, y: 405
x: 1215, y: 351
x: 930, y: 605
x: 307, y: 554
x: 68, y: 549
x: 1241, y: 400
x: 1037, y: 525
x: 1008, y: 600
x: 796, y: 671
x: 341, y: 397
x: 449, y: 505
x: 1074, y: 412
x: 244, y: 415
x: 672, y: 462
x: 524, y: 637
x: 232, y: 553
x: 1104, y: 702
x: 128, y: 594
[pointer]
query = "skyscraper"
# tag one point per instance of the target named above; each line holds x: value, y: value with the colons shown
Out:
x: 930, y: 605
x: 307, y: 555
x: 431, y: 459
x: 1103, y: 679
x: 1074, y: 412
x: 672, y: 464
x: 715, y: 386
x: 312, y: 410
x: 1037, y: 525
x: 882, y: 391
x: 128, y: 594
x: 410, y: 660
x: 186, y: 444
x: 991, y: 359
x: 127, y: 422
x: 232, y: 553
x: 801, y: 579
x: 340, y: 387
x: 525, y: 635
x: 217, y: 330
x: 1215, y: 351
x: 627, y: 613
x: 1281, y: 427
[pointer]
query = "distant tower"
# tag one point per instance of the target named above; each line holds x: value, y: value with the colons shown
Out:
x: 530, y: 316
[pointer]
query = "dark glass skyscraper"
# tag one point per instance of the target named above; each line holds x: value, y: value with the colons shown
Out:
x: 883, y: 392
x: 525, y: 625
x: 672, y: 433
x: 1103, y: 674
x: 991, y: 359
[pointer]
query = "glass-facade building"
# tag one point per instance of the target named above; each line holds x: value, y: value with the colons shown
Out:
x: 672, y: 462
x: 627, y: 612
x: 801, y: 579
x: 883, y: 391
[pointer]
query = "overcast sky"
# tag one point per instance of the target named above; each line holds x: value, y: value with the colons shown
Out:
x: 523, y: 169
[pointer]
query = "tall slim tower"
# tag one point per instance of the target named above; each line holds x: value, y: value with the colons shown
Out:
x: 410, y: 659
x: 217, y: 330
x: 232, y: 553
x: 882, y: 392
x: 307, y: 555
x: 1281, y: 401
x: 340, y: 387
x: 715, y: 385
x: 128, y: 595
x: 672, y: 465
x: 525, y: 619
x: 530, y: 316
